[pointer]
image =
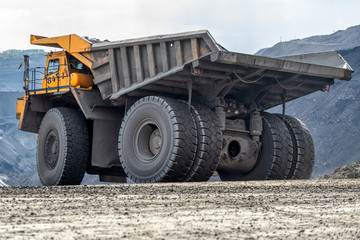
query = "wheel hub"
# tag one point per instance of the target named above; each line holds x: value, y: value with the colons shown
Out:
x: 239, y: 154
x: 155, y: 142
x: 148, y: 141
x: 51, y: 149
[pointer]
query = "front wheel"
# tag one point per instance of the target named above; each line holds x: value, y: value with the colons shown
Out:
x: 62, y: 147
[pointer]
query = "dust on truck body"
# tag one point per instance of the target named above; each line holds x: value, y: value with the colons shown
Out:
x: 169, y: 108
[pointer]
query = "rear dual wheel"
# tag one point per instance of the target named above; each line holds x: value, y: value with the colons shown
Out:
x: 287, y: 151
x: 275, y: 157
x: 303, y: 145
x: 209, y: 144
x: 157, y: 140
x: 161, y: 140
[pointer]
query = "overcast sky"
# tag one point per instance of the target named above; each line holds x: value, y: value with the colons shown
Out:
x: 238, y: 25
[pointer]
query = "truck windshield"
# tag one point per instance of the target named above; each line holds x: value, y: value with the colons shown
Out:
x: 53, y: 66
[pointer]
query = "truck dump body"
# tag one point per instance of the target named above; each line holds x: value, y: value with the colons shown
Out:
x: 169, y: 64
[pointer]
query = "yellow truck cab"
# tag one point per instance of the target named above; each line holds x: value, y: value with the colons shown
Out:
x: 63, y: 71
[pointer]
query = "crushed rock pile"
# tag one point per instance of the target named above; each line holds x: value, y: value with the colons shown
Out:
x: 348, y: 171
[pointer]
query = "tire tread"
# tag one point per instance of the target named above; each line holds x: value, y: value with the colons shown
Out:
x: 209, y: 144
x: 76, y: 142
x: 303, y: 144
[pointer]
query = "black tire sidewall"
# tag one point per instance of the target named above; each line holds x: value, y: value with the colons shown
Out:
x: 134, y: 166
x: 51, y: 121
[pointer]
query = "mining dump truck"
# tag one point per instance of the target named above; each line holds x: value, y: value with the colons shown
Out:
x: 168, y: 108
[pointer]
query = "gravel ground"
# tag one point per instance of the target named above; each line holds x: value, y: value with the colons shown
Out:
x: 323, y: 209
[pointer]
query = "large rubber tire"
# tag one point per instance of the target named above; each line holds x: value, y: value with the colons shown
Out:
x: 157, y: 140
x: 62, y: 147
x: 303, y: 144
x: 209, y: 143
x: 275, y: 156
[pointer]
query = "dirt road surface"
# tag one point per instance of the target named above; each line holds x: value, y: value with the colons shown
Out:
x: 323, y: 209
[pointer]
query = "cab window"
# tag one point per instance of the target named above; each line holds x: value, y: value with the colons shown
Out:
x: 53, y: 66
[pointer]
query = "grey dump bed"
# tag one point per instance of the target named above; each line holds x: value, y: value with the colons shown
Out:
x: 193, y: 62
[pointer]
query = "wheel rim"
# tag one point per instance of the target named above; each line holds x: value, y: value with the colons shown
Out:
x: 147, y: 141
x: 51, y: 149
